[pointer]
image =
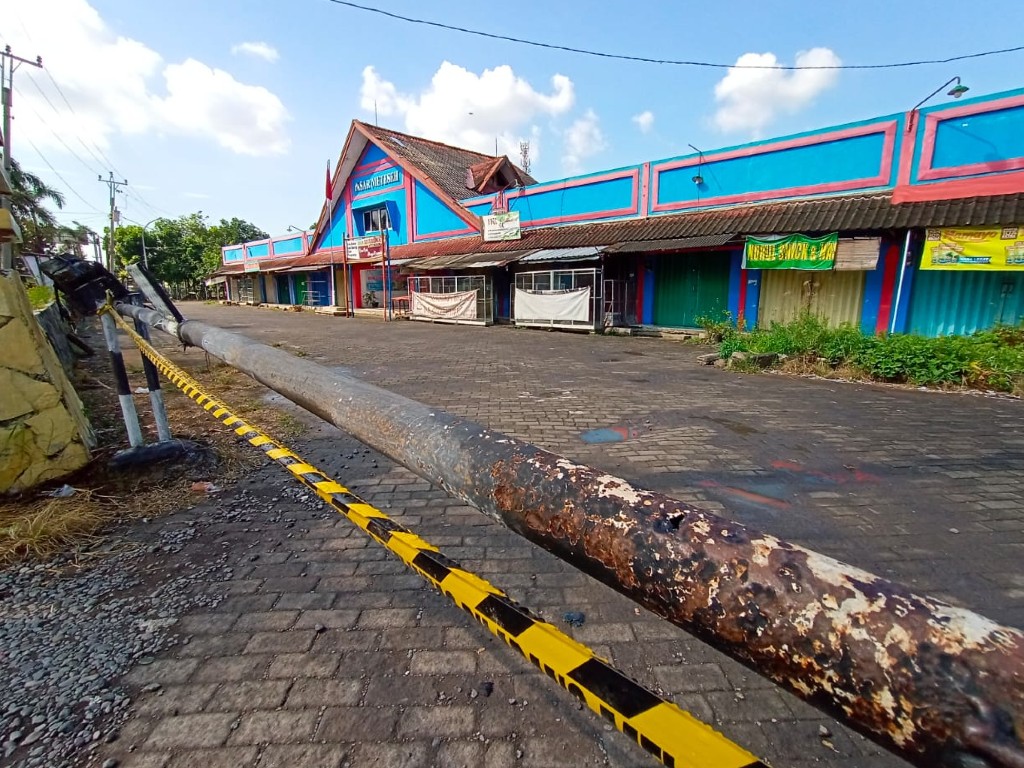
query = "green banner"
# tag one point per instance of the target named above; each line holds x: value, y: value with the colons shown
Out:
x: 791, y: 252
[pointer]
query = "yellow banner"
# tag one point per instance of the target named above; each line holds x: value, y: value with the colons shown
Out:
x: 993, y: 248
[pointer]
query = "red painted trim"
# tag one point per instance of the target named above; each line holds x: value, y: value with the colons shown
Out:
x: 632, y: 210
x: 580, y: 181
x: 742, y: 297
x: 377, y: 191
x: 442, y: 235
x: 925, y: 170
x: 891, y: 267
x: 972, y: 169
x: 645, y: 187
x: 370, y: 167
x: 581, y: 217
x: 473, y: 221
x: 978, y: 109
x: 888, y: 128
x: 410, y: 207
x: 906, y: 153
x: 1003, y: 184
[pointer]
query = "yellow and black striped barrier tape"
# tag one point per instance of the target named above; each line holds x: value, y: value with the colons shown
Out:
x: 671, y: 735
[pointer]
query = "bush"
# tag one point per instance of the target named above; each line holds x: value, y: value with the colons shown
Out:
x: 717, y: 329
x: 992, y: 359
x: 39, y: 296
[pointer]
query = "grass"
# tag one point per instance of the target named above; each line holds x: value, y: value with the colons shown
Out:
x: 990, y: 360
x: 39, y: 296
x: 37, y: 527
x: 44, y: 527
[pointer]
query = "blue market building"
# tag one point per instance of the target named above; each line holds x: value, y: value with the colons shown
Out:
x: 661, y: 243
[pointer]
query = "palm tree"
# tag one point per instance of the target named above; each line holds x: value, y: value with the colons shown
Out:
x: 29, y: 195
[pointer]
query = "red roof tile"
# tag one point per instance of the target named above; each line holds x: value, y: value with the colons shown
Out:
x: 444, y: 164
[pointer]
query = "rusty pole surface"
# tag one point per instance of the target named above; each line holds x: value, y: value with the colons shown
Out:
x: 937, y: 684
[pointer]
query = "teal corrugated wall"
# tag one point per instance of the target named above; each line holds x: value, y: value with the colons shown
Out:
x: 954, y: 302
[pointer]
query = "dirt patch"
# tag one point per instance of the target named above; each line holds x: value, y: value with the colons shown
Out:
x: 35, y: 525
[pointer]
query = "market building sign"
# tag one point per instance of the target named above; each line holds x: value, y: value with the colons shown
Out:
x: 364, y: 248
x: 377, y: 180
x: 791, y: 252
x: 502, y: 226
x: 979, y: 248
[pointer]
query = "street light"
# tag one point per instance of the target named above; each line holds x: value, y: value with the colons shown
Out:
x: 145, y: 257
x: 292, y: 227
x: 958, y: 90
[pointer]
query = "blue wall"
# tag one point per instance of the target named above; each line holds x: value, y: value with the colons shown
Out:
x: 292, y: 245
x: 971, y: 138
x: 873, y: 283
x: 233, y: 254
x: 257, y: 251
x: 335, y: 234
x: 848, y: 159
x: 394, y: 201
x: 735, y: 273
x: 391, y: 195
x: 591, y: 198
x: 979, y: 138
x: 433, y: 216
x: 372, y: 154
x: 753, y: 299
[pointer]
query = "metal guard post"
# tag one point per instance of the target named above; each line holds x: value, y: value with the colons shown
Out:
x: 937, y: 684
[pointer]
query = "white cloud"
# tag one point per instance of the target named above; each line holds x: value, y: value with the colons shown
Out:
x: 751, y: 99
x: 469, y: 110
x: 583, y: 139
x: 259, y: 49
x: 644, y: 121
x: 124, y: 87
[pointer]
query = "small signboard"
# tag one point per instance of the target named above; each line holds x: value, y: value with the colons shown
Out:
x: 502, y: 226
x: 975, y: 248
x: 252, y: 266
x: 366, y: 248
x: 791, y: 252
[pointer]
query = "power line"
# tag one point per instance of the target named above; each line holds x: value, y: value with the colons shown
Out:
x: 57, y: 174
x: 672, y: 62
x: 102, y: 158
x: 90, y: 168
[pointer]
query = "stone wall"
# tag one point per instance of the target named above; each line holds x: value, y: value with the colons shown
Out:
x: 53, y: 326
x: 44, y: 434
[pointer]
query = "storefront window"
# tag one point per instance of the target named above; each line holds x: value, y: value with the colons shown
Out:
x: 375, y: 220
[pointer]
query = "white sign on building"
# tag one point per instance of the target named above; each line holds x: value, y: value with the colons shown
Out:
x: 502, y: 226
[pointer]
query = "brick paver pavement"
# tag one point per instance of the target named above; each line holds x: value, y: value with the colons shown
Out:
x: 326, y: 652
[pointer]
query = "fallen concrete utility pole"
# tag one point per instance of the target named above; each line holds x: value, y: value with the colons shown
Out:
x: 939, y: 685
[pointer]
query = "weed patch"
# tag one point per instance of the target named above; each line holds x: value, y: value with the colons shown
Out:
x: 988, y: 360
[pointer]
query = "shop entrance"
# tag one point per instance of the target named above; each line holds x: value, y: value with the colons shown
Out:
x: 689, y: 286
x: 835, y: 297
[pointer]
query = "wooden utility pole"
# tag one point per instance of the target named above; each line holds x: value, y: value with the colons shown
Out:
x: 8, y: 64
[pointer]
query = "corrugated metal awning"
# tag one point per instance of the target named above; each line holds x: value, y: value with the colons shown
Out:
x: 466, y: 260
x: 582, y: 253
x: 671, y: 244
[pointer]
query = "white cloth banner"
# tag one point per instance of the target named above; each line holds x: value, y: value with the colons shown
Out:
x: 553, y: 305
x: 447, y: 306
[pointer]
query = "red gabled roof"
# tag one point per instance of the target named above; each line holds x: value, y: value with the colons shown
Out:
x: 443, y: 164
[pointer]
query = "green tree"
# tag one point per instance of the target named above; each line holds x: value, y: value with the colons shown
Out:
x: 228, y: 232
x: 181, y: 252
x: 29, y: 198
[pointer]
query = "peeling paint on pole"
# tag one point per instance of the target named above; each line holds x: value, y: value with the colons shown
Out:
x: 940, y: 685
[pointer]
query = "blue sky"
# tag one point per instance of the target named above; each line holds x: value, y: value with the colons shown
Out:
x: 233, y: 107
